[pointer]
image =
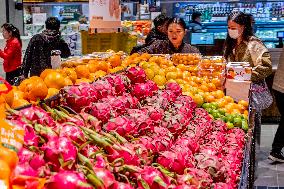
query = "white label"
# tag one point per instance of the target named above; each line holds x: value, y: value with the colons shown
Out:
x: 3, y: 185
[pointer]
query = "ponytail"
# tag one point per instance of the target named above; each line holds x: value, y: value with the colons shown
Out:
x: 15, y: 31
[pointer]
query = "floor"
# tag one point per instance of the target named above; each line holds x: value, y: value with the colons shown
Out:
x: 269, y: 175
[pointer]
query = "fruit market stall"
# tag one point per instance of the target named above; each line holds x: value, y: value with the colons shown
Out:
x: 139, y: 121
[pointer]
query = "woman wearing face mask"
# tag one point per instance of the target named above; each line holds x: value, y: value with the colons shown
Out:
x: 12, y: 53
x: 174, y: 44
x: 242, y: 46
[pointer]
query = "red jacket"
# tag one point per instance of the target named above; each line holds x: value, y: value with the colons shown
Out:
x: 12, y: 55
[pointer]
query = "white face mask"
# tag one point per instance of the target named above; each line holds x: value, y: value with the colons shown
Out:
x: 233, y: 33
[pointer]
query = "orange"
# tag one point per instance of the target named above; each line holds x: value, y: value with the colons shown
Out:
x: 9, y: 97
x: 82, y: 71
x: 34, y: 88
x: 67, y: 81
x: 210, y: 98
x: 246, y: 113
x: 216, y: 82
x: 18, y: 94
x: 45, y: 73
x: 241, y: 108
x: 244, y: 103
x: 204, y: 88
x: 54, y: 80
x: 52, y: 92
x: 92, y: 67
x: 235, y: 111
x: 115, y: 61
x: 171, y: 75
x: 182, y: 67
x: 211, y: 86
x: 228, y: 99
x: 100, y: 73
x: 221, y: 103
x: 19, y: 102
x: 82, y: 80
x: 70, y: 72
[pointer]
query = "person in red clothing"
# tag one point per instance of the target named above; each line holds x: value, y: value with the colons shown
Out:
x: 12, y: 53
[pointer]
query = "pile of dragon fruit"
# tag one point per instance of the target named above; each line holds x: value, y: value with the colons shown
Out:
x: 128, y: 133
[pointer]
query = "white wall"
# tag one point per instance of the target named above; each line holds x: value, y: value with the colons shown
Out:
x: 2, y: 12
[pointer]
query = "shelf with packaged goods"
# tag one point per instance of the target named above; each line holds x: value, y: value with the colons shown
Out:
x: 53, y: 1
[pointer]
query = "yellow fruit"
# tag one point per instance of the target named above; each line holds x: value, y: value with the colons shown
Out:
x: 9, y: 97
x: 244, y: 103
x: 228, y: 99
x: 150, y: 73
x: 54, y: 80
x: 83, y: 80
x: 100, y: 73
x: 198, y: 99
x: 82, y: 71
x: 180, y: 81
x: 171, y: 81
x: 171, y: 75
x: 160, y: 80
x: 161, y: 72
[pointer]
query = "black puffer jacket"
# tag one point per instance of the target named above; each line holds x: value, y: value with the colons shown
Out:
x: 38, y: 53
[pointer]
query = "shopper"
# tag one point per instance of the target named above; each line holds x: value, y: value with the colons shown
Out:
x: 195, y: 25
x: 242, y: 46
x: 278, y: 90
x: 12, y: 53
x: 176, y: 28
x: 159, y: 32
x: 38, y: 53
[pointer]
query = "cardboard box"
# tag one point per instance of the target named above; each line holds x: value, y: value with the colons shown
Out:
x: 240, y: 71
x: 238, y: 90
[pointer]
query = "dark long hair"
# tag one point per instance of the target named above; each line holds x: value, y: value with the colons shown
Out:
x: 243, y: 20
x: 15, y: 31
x: 176, y: 20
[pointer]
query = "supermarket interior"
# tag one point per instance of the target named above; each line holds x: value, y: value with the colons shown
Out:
x: 122, y: 94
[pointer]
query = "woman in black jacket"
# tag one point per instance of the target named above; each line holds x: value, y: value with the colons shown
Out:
x: 38, y: 53
x: 174, y: 44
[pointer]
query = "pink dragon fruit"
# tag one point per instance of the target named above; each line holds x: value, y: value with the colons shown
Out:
x: 153, y: 178
x: 35, y: 114
x: 105, y: 176
x: 136, y: 75
x: 129, y: 101
x: 153, y: 86
x: 195, y: 177
x: 102, y: 111
x: 89, y: 150
x: 104, y: 88
x: 37, y: 161
x: 188, y: 142
x: 72, y: 132
x: 154, y: 112
x: 141, y: 151
x: 118, y: 105
x: 141, y: 120
x: 222, y: 186
x: 91, y: 121
x: 185, y: 186
x: 119, y: 82
x: 142, y: 90
x: 59, y: 148
x: 220, y: 125
x: 157, y: 101
x: 175, y: 123
x: 122, y: 125
x: 121, y: 185
x: 68, y: 180
x: 161, y: 140
x: 175, y: 88
x: 175, y: 161
x: 25, y: 169
x: 78, y: 97
x: 101, y: 162
x: 25, y: 155
x: 168, y: 95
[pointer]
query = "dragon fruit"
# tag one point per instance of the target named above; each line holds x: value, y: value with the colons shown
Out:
x: 72, y: 132
x: 102, y: 111
x: 89, y: 150
x: 185, y: 186
x: 60, y: 148
x: 161, y: 140
x: 153, y: 178
x: 157, y: 101
x: 129, y: 101
x: 105, y: 176
x: 122, y: 125
x: 121, y: 185
x: 142, y: 90
x: 175, y: 88
x: 154, y: 112
x: 25, y: 155
x: 25, y: 169
x: 103, y: 88
x: 119, y: 82
x: 168, y: 95
x: 188, y: 142
x: 175, y: 161
x: 37, y: 161
x: 136, y: 75
x: 175, y: 123
x: 118, y: 105
x: 68, y: 180
x: 195, y: 177
x: 222, y: 186
x: 91, y: 121
x: 78, y: 97
x: 141, y: 120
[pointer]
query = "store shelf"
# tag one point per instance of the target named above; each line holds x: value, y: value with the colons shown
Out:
x: 53, y: 1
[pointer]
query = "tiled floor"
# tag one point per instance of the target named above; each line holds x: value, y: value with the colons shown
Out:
x: 269, y: 175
